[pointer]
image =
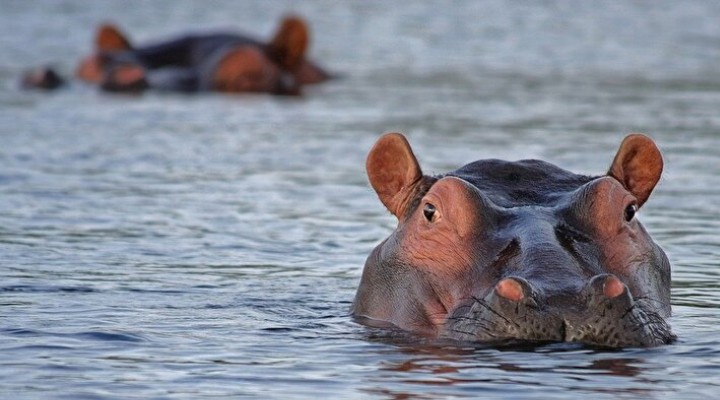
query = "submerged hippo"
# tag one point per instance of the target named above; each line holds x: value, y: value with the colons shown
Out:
x: 500, y: 251
x: 220, y: 61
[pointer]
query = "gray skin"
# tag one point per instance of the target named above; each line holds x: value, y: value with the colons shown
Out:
x: 500, y: 251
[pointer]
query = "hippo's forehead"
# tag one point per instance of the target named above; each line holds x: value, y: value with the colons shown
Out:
x: 521, y: 183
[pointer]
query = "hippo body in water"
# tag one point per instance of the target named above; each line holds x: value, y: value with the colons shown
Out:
x: 220, y: 61
x: 524, y: 251
x: 217, y: 61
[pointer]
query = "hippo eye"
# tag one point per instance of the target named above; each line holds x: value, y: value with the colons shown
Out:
x: 429, y: 211
x: 630, y: 212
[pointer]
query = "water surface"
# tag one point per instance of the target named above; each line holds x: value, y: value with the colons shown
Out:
x: 169, y: 246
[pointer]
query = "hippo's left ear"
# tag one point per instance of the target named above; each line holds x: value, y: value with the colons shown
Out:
x: 288, y: 46
x: 394, y: 172
x: 638, y: 165
x: 109, y: 38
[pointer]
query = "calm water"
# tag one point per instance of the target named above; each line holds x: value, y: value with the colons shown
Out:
x: 168, y: 246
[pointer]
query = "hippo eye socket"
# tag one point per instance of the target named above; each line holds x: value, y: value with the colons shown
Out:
x: 630, y: 212
x: 429, y: 211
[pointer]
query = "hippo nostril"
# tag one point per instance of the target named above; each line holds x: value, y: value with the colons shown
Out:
x: 613, y: 287
x: 510, y: 289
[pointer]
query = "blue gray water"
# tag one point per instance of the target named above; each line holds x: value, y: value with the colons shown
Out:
x: 168, y: 246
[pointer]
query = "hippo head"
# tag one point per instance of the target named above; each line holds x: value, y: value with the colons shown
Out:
x: 500, y: 251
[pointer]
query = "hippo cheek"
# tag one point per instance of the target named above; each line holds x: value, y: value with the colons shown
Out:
x: 439, y: 243
x: 90, y: 69
x: 624, y: 247
x: 444, y: 236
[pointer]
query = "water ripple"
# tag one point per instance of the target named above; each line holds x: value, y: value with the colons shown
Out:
x: 46, y: 289
x: 83, y: 336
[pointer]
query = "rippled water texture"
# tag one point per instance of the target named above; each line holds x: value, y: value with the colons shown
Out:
x: 169, y: 246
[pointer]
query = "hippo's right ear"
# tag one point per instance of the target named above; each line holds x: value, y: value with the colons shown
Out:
x: 394, y: 172
x: 110, y: 38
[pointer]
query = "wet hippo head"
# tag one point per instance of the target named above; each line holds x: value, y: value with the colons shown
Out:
x: 518, y: 251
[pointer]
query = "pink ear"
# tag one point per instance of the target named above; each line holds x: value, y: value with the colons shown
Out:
x: 637, y: 165
x: 110, y: 38
x: 393, y: 171
x: 291, y: 41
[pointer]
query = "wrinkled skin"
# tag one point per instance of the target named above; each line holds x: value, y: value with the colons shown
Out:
x: 501, y: 251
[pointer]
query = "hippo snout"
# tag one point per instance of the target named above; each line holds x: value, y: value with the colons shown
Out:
x: 602, y: 313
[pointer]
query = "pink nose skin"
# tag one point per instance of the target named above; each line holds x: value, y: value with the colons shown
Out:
x: 510, y: 289
x: 613, y: 287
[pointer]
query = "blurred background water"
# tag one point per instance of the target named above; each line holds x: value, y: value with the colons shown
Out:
x: 173, y: 246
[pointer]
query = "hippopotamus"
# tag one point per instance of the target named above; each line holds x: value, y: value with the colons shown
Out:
x: 517, y: 252
x: 221, y: 61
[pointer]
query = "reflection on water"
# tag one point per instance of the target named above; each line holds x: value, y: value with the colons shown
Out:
x: 180, y: 247
x: 440, y: 367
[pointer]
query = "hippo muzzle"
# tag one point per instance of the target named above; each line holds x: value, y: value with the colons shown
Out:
x: 604, y: 313
x: 524, y: 251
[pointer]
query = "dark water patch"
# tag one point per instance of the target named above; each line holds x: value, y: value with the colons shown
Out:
x: 87, y: 335
x: 109, y: 336
x: 38, y: 348
x: 279, y: 329
x: 20, y: 332
x: 153, y: 290
x: 217, y: 306
x: 47, y: 289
